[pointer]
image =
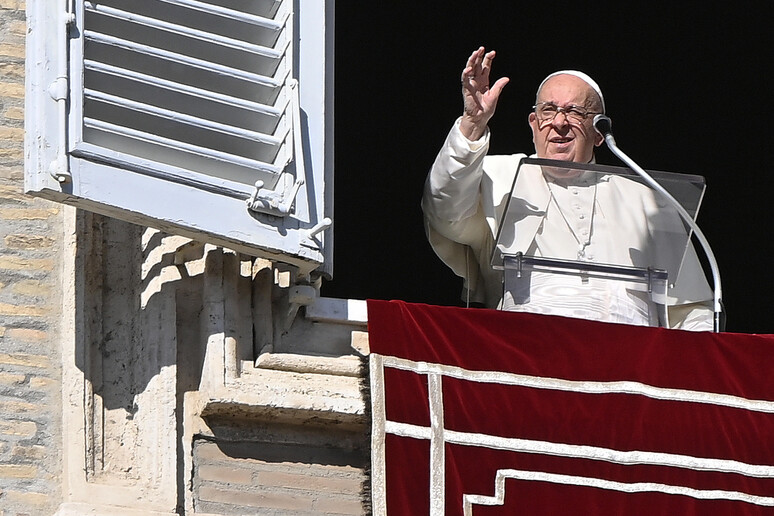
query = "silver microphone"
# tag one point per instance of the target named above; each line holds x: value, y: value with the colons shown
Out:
x: 603, y: 125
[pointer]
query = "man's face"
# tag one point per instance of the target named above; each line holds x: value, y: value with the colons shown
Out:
x: 563, y: 138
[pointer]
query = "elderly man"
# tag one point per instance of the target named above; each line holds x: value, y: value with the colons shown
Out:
x: 465, y: 191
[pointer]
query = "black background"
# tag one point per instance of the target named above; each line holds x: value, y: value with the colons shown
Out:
x: 689, y: 89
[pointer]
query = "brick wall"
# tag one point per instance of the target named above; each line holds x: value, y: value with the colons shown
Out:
x: 30, y: 238
x: 281, y: 470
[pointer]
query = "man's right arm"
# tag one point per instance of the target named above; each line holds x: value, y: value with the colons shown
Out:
x: 452, y: 188
x: 456, y: 228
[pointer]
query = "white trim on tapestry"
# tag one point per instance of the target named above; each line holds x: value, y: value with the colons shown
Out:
x: 469, y: 500
x: 584, y: 387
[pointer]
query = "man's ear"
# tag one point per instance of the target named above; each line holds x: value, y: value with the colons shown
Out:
x: 532, y: 120
x: 598, y: 139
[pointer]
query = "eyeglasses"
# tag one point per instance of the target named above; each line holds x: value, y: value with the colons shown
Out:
x: 547, y: 111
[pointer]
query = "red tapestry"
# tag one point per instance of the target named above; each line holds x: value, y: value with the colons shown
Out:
x: 480, y: 412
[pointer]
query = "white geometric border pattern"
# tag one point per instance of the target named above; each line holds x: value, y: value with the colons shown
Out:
x: 639, y: 487
x: 439, y: 436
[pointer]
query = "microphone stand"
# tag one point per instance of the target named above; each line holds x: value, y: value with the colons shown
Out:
x: 603, y: 126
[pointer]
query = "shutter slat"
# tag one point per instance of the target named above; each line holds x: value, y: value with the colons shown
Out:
x: 273, y: 82
x: 183, y: 146
x: 175, y: 28
x: 217, y: 10
x: 275, y: 111
x: 187, y: 119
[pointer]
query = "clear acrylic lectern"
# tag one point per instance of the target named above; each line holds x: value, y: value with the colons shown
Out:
x: 592, y: 241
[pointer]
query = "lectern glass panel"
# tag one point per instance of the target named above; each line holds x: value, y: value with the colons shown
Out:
x: 585, y: 290
x: 580, y: 234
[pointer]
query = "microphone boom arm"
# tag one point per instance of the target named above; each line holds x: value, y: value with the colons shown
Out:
x: 604, y: 121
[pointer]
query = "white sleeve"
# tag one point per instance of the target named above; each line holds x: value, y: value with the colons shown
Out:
x: 452, y: 187
x: 692, y: 317
x: 456, y: 229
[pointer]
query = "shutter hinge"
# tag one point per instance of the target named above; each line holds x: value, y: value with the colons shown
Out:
x: 59, y: 167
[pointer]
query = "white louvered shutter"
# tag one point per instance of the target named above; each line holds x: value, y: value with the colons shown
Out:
x: 209, y: 118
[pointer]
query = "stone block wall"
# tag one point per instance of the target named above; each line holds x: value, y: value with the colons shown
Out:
x: 30, y: 229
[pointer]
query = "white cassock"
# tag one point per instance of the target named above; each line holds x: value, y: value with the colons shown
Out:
x: 607, y: 220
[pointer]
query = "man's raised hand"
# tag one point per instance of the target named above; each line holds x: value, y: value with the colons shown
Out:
x: 479, y: 100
